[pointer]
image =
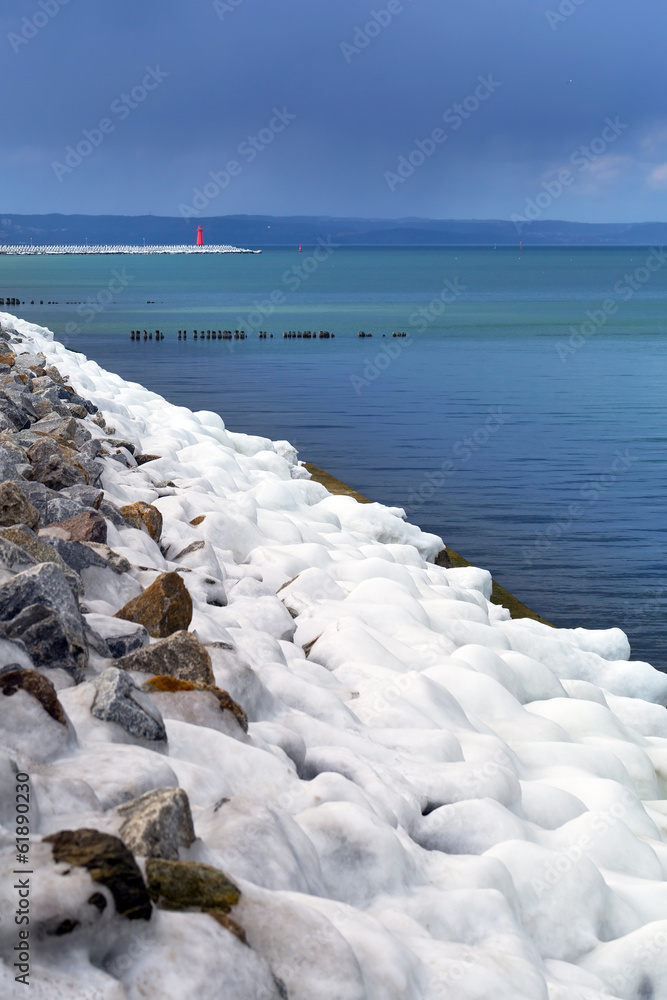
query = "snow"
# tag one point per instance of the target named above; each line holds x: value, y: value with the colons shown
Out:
x: 432, y: 801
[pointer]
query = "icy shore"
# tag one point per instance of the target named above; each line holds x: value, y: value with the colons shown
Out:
x: 332, y: 771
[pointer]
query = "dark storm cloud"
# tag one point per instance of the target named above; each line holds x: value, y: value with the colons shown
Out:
x: 186, y: 89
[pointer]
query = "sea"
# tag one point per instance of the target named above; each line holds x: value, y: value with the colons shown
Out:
x: 522, y: 417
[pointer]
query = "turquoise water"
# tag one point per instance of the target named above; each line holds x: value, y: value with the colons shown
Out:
x: 535, y: 451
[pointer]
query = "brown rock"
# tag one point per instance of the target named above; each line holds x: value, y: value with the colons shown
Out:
x: 34, y: 684
x: 7, y: 359
x: 15, y: 508
x: 164, y: 608
x: 54, y: 374
x: 179, y: 656
x: 88, y: 526
x: 78, y: 411
x: 198, y: 520
x: 110, y: 863
x: 168, y: 685
x: 142, y: 459
x: 181, y: 885
x: 230, y: 925
x: 143, y: 515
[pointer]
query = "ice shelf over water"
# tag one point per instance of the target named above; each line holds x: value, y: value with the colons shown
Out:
x: 432, y: 801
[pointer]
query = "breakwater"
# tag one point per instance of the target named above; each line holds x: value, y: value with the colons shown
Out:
x: 23, y: 250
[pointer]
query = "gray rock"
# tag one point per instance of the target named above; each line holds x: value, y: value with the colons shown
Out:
x: 37, y: 551
x: 119, y: 636
x: 66, y: 428
x: 15, y: 508
x: 118, y: 699
x: 44, y: 638
x: 49, y: 466
x: 180, y: 655
x: 22, y: 398
x: 25, y: 360
x: 13, y: 463
x: 119, y: 564
x: 60, y: 509
x: 39, y: 495
x: 109, y: 509
x: 17, y: 418
x: 158, y: 823
x: 88, y: 496
x: 77, y: 555
x: 120, y: 443
x: 13, y: 557
x: 46, y: 584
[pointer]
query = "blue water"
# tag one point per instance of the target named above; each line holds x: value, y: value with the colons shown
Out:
x: 546, y: 462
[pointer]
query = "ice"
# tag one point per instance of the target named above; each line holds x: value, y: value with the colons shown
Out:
x: 432, y: 801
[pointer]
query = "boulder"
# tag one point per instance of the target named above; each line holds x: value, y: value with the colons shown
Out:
x: 163, y: 684
x: 12, y: 556
x: 60, y: 508
x: 43, y: 636
x: 158, y: 823
x: 13, y: 461
x: 143, y: 515
x: 46, y: 584
x: 39, y: 495
x: 120, y: 637
x: 48, y: 465
x: 87, y: 496
x: 164, y: 608
x: 81, y: 555
x: 15, y: 678
x: 181, y: 885
x: 88, y: 526
x: 180, y: 656
x: 109, y: 863
x: 118, y: 699
x: 54, y: 374
x: 15, y: 508
x: 13, y: 413
x: 34, y: 550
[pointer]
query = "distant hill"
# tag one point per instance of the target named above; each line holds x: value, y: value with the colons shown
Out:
x: 266, y: 230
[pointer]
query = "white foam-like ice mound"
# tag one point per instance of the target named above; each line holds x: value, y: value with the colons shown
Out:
x: 436, y: 802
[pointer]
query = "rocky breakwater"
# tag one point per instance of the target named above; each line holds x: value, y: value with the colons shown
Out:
x: 78, y: 678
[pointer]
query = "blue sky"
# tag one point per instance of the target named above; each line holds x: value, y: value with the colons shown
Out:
x: 330, y: 107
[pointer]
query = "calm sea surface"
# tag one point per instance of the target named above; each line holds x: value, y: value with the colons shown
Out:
x: 535, y: 451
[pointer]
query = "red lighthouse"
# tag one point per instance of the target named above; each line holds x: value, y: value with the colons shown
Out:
x: 200, y: 236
